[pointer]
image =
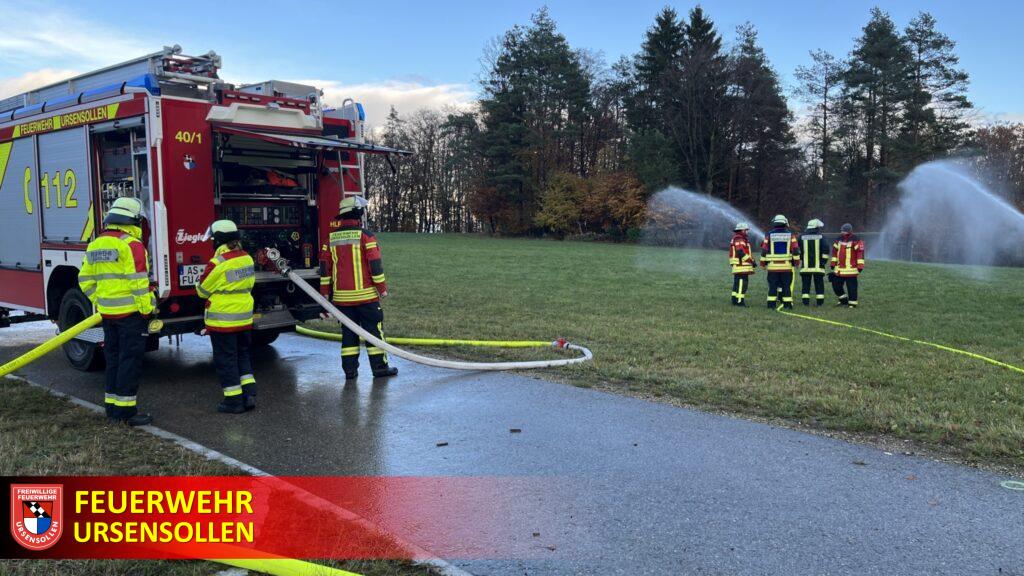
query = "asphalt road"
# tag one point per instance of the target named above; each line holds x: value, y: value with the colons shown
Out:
x: 654, y: 489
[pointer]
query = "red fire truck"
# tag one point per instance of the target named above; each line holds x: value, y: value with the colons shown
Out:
x: 164, y: 128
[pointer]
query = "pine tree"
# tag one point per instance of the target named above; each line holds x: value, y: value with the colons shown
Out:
x: 649, y: 83
x: 659, y: 55
x: 696, y: 117
x: 536, y: 103
x: 934, y: 123
x: 760, y: 137
x: 878, y: 89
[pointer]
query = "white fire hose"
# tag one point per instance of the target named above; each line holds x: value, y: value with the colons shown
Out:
x: 285, y: 269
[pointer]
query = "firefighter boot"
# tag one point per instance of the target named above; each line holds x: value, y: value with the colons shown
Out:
x: 379, y: 363
x: 806, y: 299
x: 138, y: 419
x: 386, y: 372
x: 231, y: 407
x: 350, y: 363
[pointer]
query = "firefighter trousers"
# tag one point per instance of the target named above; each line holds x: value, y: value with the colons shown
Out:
x: 780, y: 285
x: 740, y: 283
x: 818, y: 279
x: 845, y: 288
x: 124, y: 343
x: 232, y: 358
x: 371, y: 318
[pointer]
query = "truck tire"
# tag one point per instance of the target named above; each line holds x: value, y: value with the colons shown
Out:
x: 261, y: 338
x: 84, y: 356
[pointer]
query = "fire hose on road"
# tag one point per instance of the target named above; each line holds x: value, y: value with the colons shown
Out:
x: 282, y: 266
x: 50, y: 345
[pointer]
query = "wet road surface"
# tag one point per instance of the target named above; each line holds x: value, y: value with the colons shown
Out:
x: 655, y: 489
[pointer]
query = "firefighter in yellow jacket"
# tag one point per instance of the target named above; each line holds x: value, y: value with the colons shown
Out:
x: 227, y: 285
x: 815, y: 257
x: 780, y: 253
x: 115, y: 277
x: 741, y: 258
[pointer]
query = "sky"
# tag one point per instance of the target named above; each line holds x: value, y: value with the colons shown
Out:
x: 427, y: 54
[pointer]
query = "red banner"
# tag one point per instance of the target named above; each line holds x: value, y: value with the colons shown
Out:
x: 261, y: 517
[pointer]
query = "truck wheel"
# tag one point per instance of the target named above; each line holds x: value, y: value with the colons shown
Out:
x: 264, y: 337
x: 85, y: 356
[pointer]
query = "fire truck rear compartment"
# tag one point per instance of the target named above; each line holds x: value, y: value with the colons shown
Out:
x: 269, y: 191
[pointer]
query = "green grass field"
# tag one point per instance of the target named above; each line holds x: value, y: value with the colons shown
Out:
x: 660, y: 325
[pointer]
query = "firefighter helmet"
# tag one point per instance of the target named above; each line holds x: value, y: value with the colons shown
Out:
x: 222, y: 232
x: 815, y: 224
x: 124, y: 211
x: 351, y: 204
x: 780, y: 220
x: 847, y: 228
x: 740, y: 226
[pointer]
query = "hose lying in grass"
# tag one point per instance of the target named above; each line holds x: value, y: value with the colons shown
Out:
x: 285, y: 567
x: 399, y: 341
x: 992, y: 361
x: 49, y: 346
x: 419, y: 359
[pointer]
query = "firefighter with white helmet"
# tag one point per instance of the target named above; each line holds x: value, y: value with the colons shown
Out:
x: 780, y: 252
x: 815, y: 257
x: 352, y: 277
x: 227, y: 285
x: 741, y: 258
x: 115, y: 277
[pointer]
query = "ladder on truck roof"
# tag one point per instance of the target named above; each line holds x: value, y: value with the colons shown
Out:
x: 167, y: 65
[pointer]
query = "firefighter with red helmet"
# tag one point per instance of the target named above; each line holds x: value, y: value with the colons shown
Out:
x: 847, y: 263
x: 741, y: 258
x: 115, y: 278
x: 780, y: 254
x: 352, y: 277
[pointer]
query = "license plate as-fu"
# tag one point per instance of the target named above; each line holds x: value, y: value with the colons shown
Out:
x: 189, y: 274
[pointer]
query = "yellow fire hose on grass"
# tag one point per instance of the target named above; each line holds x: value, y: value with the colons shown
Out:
x: 399, y: 341
x: 992, y: 361
x: 285, y: 567
x: 285, y: 270
x: 50, y: 345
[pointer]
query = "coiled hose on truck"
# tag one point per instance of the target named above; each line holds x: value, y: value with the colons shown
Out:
x: 282, y: 266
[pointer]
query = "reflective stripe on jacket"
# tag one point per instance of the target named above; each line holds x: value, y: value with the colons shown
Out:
x: 227, y: 286
x: 780, y: 250
x: 351, y: 262
x: 740, y: 255
x: 815, y: 255
x: 115, y: 273
x: 848, y: 256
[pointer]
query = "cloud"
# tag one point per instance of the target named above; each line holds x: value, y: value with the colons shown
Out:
x: 1004, y: 117
x: 30, y: 80
x: 406, y: 97
x: 36, y: 33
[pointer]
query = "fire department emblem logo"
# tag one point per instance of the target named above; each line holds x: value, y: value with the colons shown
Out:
x: 188, y: 161
x: 37, y: 518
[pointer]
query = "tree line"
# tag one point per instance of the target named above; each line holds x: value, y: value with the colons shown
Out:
x: 561, y: 143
